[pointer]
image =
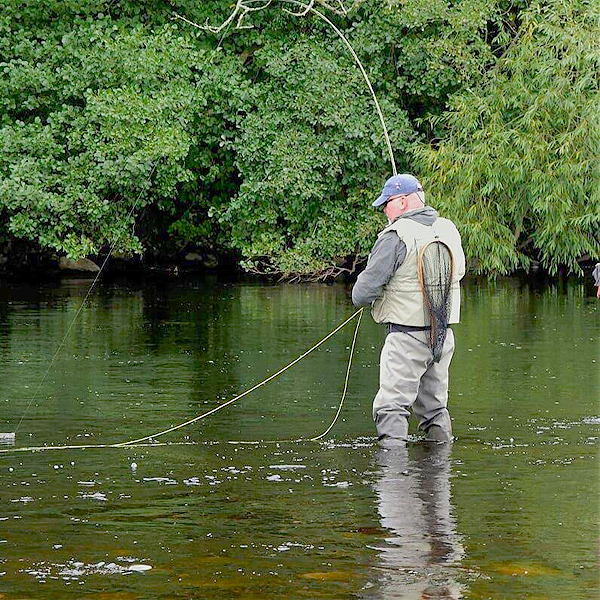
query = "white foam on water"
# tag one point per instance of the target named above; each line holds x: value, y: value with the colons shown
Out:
x: 24, y: 499
x: 7, y: 439
x: 165, y: 480
x: 139, y: 568
x: 74, y: 569
x: 95, y: 496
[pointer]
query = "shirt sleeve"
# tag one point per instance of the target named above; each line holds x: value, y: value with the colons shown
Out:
x: 387, y: 255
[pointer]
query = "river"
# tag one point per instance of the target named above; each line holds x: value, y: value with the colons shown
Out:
x: 510, y: 510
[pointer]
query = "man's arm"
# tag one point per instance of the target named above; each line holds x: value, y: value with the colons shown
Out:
x: 387, y: 255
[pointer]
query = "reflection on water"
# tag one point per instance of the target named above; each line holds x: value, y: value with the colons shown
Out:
x: 422, y: 558
x: 507, y: 514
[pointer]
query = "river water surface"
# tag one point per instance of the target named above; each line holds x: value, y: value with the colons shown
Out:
x: 509, y: 511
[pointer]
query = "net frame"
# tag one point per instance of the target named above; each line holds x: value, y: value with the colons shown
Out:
x: 438, y: 322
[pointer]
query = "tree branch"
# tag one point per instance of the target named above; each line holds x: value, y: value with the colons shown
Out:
x: 244, y: 7
x: 301, y: 13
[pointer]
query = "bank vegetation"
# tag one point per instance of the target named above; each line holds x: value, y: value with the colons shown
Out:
x: 127, y: 130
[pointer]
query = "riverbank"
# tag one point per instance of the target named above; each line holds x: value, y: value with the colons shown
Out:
x: 19, y: 262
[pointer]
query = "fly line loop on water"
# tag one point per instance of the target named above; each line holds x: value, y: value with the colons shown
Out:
x: 149, y: 439
x: 358, y: 313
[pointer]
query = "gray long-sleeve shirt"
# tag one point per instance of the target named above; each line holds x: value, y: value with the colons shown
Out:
x: 388, y: 253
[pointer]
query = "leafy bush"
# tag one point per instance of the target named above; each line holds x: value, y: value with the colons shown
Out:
x: 125, y: 128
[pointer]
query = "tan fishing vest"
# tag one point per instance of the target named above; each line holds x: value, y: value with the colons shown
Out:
x: 402, y: 301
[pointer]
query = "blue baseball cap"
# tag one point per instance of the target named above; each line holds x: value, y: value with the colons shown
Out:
x: 398, y: 185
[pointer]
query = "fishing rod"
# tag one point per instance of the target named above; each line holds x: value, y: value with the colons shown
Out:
x: 242, y: 8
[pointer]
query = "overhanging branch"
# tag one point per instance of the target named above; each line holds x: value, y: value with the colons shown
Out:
x: 244, y: 7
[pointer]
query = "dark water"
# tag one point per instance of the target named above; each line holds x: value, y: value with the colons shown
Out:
x: 510, y: 511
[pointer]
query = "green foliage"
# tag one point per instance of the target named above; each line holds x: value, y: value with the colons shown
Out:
x: 311, y: 155
x: 519, y: 166
x: 310, y: 145
x: 124, y: 127
x: 103, y: 119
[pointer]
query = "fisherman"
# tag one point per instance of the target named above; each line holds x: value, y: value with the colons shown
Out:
x: 413, y: 372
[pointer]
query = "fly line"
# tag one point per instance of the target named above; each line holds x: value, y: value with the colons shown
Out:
x: 245, y: 7
x: 241, y: 10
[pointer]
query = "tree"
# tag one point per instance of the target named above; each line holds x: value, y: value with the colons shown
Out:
x: 125, y: 128
x: 311, y: 152
x: 518, y: 165
x: 106, y: 118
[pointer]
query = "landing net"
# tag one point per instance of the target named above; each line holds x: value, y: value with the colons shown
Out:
x: 435, y: 276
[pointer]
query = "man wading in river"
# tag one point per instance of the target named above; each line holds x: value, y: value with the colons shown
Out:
x: 412, y: 284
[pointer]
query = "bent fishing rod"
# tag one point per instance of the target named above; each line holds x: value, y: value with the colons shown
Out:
x: 242, y: 8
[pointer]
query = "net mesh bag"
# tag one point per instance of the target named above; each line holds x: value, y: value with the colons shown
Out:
x: 435, y: 277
